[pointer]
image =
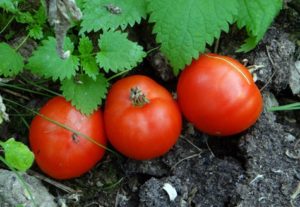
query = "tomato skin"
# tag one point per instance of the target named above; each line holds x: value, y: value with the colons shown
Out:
x: 141, y: 132
x: 218, y: 95
x: 59, y: 152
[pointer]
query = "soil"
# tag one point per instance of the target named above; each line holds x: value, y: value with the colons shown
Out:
x: 259, y: 167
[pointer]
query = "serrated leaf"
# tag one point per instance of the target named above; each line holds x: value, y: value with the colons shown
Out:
x: 88, y: 61
x: 36, y: 32
x: 256, y: 16
x: 46, y: 62
x: 85, y: 46
x: 85, y: 93
x: 184, y: 27
x: 117, y: 53
x: 17, y: 155
x: 11, y: 62
x: 111, y: 14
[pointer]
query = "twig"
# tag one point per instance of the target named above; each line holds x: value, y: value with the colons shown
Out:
x: 191, y: 143
x: 15, y: 94
x: 186, y: 158
x: 273, y: 66
x: 209, y: 148
x: 52, y: 182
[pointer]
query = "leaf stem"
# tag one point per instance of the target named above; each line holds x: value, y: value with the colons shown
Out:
x: 22, y: 43
x: 8, y: 23
x: 152, y: 49
x: 288, y: 107
x: 22, y: 89
x: 118, y: 74
x: 43, y: 88
x: 21, y: 180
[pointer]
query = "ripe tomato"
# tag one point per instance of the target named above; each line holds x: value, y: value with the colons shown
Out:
x: 142, y: 120
x: 59, y: 152
x: 218, y: 95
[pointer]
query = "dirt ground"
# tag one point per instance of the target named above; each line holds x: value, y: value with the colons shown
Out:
x: 259, y: 167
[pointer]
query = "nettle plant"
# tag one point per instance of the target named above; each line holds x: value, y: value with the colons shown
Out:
x: 98, y: 44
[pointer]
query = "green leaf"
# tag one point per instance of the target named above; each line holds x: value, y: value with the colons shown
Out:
x: 8, y: 5
x: 24, y: 17
x: 46, y: 62
x: 36, y: 32
x: 88, y: 61
x: 35, y: 27
x: 80, y: 4
x: 40, y: 16
x: 111, y: 14
x: 117, y: 53
x: 84, y: 92
x: 256, y: 16
x: 11, y: 62
x: 17, y: 155
x: 184, y: 27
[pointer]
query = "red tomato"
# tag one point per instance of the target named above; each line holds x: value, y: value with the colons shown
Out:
x: 218, y: 95
x: 59, y: 152
x: 142, y: 120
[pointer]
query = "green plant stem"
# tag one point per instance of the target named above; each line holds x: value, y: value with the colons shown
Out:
x: 63, y: 126
x: 21, y: 180
x: 118, y: 74
x: 18, y: 114
x: 22, y: 43
x: 288, y: 107
x: 8, y: 23
x: 152, y: 49
x: 113, y: 185
x: 22, y: 89
x: 43, y: 88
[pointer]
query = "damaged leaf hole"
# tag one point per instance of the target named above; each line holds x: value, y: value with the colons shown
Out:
x: 113, y: 9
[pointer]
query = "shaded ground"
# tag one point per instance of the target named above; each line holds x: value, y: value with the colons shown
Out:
x: 257, y: 168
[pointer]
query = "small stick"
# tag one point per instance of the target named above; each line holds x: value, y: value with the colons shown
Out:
x: 53, y: 182
x: 15, y: 94
x: 275, y: 69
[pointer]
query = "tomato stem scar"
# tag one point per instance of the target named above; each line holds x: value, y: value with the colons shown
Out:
x: 137, y: 97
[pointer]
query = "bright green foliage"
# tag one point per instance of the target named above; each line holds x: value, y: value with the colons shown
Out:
x: 8, y: 5
x: 46, y: 62
x: 256, y: 16
x: 17, y: 155
x: 11, y: 62
x: 87, y: 59
x: 111, y: 14
x: 117, y: 53
x: 36, y: 27
x: 24, y: 17
x: 84, y: 92
x: 36, y: 32
x: 184, y: 27
x: 80, y: 4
